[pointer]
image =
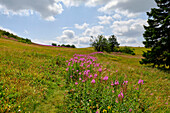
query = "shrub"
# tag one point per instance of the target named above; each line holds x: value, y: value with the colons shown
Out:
x: 127, y: 50
x: 54, y: 44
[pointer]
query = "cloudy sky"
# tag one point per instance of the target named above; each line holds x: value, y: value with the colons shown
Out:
x: 74, y: 21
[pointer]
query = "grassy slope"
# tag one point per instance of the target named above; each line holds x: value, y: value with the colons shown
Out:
x: 29, y: 75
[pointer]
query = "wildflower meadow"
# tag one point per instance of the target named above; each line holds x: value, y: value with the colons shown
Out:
x: 35, y: 78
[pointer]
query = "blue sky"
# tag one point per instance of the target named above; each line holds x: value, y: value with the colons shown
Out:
x: 74, y: 21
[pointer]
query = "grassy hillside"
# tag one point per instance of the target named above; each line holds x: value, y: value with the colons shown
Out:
x: 7, y: 35
x: 33, y: 78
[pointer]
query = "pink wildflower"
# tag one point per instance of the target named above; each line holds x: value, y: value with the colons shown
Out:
x: 80, y: 73
x: 116, y: 101
x: 95, y: 75
x: 116, y: 82
x: 90, y: 76
x: 71, y: 76
x: 120, y: 95
x: 69, y: 64
x: 130, y: 110
x: 67, y: 69
x: 93, y: 81
x: 105, y: 78
x: 112, y: 84
x: 88, y: 66
x: 140, y: 81
x: 76, y: 83
x: 83, y: 80
x: 100, y: 70
x: 79, y: 78
x: 125, y: 82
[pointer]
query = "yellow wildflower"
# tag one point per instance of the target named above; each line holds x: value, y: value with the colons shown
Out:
x: 104, y: 111
x: 108, y: 107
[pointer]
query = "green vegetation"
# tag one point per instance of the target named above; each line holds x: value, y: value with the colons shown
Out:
x: 54, y: 44
x: 157, y: 36
x: 34, y: 78
x: 7, y: 35
x: 127, y: 50
x: 68, y: 45
x: 100, y: 43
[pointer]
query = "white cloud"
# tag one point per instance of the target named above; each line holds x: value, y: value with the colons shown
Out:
x: 69, y: 34
x: 46, y: 8
x: 68, y: 37
x: 93, y: 3
x: 117, y: 16
x: 130, y: 42
x: 76, y: 3
x: 132, y: 6
x: 105, y: 19
x: 129, y: 32
x: 93, y: 31
x: 84, y: 26
x: 84, y: 41
x: 129, y: 28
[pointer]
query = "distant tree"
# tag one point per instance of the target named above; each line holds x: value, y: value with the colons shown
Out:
x: 54, y: 44
x: 157, y: 35
x: 100, y: 43
x: 113, y: 42
x: 73, y: 46
x: 63, y: 45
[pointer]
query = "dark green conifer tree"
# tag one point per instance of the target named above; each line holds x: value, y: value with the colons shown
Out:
x: 157, y: 35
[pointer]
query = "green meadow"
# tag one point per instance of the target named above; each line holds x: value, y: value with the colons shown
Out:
x: 33, y: 78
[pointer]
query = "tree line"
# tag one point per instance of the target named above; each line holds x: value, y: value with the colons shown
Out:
x: 63, y: 45
x: 100, y: 43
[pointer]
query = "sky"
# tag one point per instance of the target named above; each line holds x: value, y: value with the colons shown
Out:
x: 75, y: 21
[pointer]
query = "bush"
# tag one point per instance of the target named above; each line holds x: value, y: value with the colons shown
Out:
x: 127, y: 50
x: 54, y: 44
x: 27, y: 41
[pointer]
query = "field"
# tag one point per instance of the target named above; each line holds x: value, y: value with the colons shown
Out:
x: 37, y: 78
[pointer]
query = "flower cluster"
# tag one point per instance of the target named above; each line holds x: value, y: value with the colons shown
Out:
x: 88, y: 81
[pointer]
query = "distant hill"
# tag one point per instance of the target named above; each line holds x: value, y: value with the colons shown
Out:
x: 7, y: 35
